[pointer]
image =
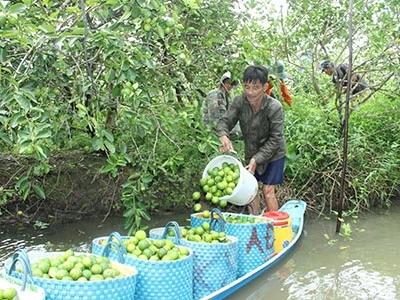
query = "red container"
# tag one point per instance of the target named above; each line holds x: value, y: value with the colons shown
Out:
x: 280, y: 218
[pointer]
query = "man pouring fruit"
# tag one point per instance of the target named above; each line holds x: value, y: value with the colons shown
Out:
x: 261, y: 121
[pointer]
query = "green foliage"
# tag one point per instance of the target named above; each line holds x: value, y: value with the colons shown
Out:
x: 120, y: 77
x: 315, y: 154
x: 126, y: 79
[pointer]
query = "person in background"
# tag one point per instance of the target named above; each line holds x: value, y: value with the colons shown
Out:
x: 278, y: 71
x: 339, y: 77
x: 261, y: 121
x: 217, y: 101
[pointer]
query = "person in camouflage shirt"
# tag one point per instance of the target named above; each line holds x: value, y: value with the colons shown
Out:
x: 217, y: 101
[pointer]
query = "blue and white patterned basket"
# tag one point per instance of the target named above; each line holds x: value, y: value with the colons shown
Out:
x: 24, y: 287
x: 215, y: 264
x: 120, y: 288
x: 255, y: 240
x: 157, y: 280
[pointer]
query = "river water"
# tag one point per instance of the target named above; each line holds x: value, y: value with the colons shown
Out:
x: 365, y: 265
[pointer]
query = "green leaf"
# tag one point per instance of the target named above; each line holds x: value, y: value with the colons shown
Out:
x: 77, y: 31
x: 130, y: 212
x: 39, y: 191
x: 16, y: 120
x: 109, y: 136
x: 110, y: 146
x: 40, y: 150
x: 23, y: 102
x: 47, y: 28
x: 3, y: 54
x: 44, y: 133
x: 5, y: 139
x: 97, y: 144
x: 17, y: 8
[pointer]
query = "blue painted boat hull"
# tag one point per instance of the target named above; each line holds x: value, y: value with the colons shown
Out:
x: 296, y: 210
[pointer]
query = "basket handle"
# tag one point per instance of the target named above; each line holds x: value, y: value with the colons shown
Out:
x: 121, y: 251
x: 214, y: 221
x: 177, y: 230
x: 22, y: 257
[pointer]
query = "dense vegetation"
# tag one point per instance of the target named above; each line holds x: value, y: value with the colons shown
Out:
x: 126, y: 79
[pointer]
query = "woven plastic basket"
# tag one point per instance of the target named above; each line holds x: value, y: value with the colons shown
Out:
x: 215, y: 264
x: 120, y: 288
x: 24, y: 287
x: 157, y: 279
x: 255, y: 240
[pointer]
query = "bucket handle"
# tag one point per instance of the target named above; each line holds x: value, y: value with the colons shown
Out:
x: 234, y: 154
x: 22, y: 257
x: 114, y: 240
x: 214, y: 221
x: 177, y: 230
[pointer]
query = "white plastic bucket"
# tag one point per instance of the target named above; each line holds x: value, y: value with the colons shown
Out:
x: 247, y: 186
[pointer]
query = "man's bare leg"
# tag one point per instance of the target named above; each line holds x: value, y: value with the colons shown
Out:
x: 254, y: 205
x: 270, y: 198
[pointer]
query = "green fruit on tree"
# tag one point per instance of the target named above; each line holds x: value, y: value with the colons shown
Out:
x: 147, y: 27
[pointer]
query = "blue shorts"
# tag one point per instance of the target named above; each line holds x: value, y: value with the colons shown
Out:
x: 273, y: 174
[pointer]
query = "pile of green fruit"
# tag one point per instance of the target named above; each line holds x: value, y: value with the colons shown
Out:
x: 220, y: 182
x: 141, y: 247
x: 69, y: 266
x: 202, y: 233
x: 242, y: 219
x: 8, y: 294
x: 234, y: 218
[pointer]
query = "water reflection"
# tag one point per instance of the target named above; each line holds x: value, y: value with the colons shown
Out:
x: 363, y: 267
x: 353, y: 280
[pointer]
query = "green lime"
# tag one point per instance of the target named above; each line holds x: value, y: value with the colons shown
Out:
x: 61, y: 274
x: 143, y: 244
x: 206, y: 188
x: 215, y: 200
x: 82, y: 279
x: 108, y: 273
x: 140, y: 235
x: 197, y: 207
x: 203, y: 181
x: 96, y: 277
x: 9, y: 293
x: 206, y: 214
x: 196, y: 196
x: 87, y: 274
x: 206, y: 226
x: 75, y: 273
x: 87, y: 262
x: 96, y: 269
x: 130, y: 248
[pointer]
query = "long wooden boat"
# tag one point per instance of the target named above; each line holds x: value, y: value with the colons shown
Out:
x: 296, y: 210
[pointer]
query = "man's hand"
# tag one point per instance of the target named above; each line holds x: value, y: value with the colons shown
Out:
x: 251, y: 167
x: 226, y: 144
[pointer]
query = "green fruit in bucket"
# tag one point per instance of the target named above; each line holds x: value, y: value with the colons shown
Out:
x: 197, y: 207
x: 203, y: 181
